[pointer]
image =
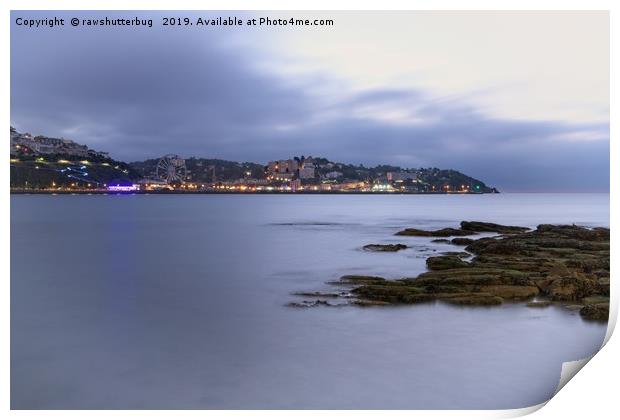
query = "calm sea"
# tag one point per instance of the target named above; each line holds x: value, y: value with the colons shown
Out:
x: 171, y: 302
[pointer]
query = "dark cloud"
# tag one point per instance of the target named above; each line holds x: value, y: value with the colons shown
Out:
x: 144, y: 92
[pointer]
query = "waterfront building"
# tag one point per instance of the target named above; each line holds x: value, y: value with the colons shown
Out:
x: 49, y: 145
x: 400, y: 176
x: 287, y: 176
x: 333, y: 175
x: 295, y: 185
x: 307, y: 170
x: 288, y: 166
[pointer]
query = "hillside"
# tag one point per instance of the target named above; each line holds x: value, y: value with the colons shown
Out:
x: 39, y: 162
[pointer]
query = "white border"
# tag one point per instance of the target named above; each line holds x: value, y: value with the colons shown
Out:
x: 592, y: 395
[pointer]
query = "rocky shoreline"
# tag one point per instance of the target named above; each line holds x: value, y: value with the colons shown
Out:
x: 552, y: 264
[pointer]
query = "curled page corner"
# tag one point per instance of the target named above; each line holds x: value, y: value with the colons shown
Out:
x: 613, y: 316
x: 570, y: 369
x: 520, y: 412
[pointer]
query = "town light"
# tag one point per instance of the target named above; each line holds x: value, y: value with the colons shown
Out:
x: 123, y: 188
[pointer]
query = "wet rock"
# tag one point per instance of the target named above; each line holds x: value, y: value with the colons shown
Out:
x: 309, y: 303
x: 319, y: 294
x: 357, y: 279
x: 602, y: 287
x: 570, y: 288
x: 595, y: 312
x: 552, y: 263
x: 369, y: 303
x: 576, y: 232
x: 473, y: 299
x: 414, y: 232
x: 445, y: 262
x: 446, y: 232
x: 459, y: 254
x: 392, y: 293
x: 441, y: 241
x: 510, y: 292
x: 492, y: 227
x: 462, y: 241
x: 539, y: 304
x: 384, y: 248
x: 595, y: 299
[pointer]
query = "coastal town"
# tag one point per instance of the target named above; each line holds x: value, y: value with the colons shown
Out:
x: 56, y: 165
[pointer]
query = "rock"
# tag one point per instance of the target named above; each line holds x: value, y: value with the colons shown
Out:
x: 384, y: 248
x: 446, y: 232
x: 492, y: 227
x: 357, y: 279
x: 576, y: 232
x: 462, y: 241
x: 309, y: 303
x: 441, y: 241
x: 319, y: 294
x: 369, y: 303
x: 474, y: 299
x: 552, y: 263
x: 510, y: 292
x: 414, y: 232
x: 602, y: 287
x: 473, y: 275
x: 445, y: 262
x: 570, y: 288
x: 453, y: 232
x: 459, y: 254
x: 595, y: 312
x: 395, y: 292
x: 595, y: 299
x: 539, y: 304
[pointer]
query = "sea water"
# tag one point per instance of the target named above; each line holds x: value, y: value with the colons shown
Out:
x: 180, y: 301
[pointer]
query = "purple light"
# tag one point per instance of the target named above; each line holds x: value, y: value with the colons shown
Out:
x: 121, y: 188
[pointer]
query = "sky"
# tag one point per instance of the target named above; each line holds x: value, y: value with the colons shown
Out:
x: 519, y: 100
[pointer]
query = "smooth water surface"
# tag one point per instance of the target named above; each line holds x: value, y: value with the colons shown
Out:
x: 170, y: 301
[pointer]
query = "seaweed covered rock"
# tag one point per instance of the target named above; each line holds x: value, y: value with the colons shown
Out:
x: 445, y: 262
x: 539, y: 304
x: 384, y: 248
x: 483, y: 299
x: 309, y: 304
x: 396, y: 292
x: 570, y: 288
x: 462, y: 241
x: 492, y: 227
x: 595, y: 312
x: 562, y: 263
x: 357, y: 279
x: 460, y: 254
x: 446, y: 232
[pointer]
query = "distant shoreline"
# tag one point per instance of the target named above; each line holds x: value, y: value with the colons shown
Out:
x: 101, y: 192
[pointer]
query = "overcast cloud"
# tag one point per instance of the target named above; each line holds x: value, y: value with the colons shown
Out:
x: 141, y: 93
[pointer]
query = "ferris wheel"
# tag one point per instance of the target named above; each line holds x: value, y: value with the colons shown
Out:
x: 171, y: 168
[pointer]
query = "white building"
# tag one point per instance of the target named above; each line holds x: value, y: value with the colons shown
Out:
x: 400, y: 176
x: 333, y: 175
x: 307, y: 169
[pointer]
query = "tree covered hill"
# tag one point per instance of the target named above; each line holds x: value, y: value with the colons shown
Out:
x: 41, y: 162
